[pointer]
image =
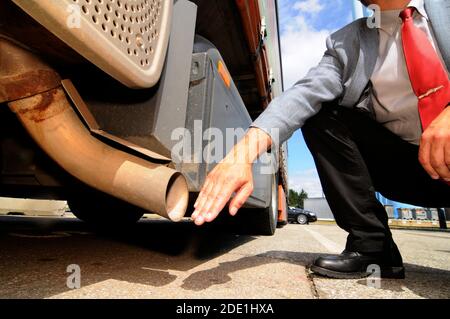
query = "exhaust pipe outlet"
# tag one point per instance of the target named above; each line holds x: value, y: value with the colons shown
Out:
x: 54, y: 125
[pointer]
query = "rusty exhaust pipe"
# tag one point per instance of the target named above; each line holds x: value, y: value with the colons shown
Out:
x: 55, y: 126
x: 52, y: 122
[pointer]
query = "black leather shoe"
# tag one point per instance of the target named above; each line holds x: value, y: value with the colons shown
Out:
x: 353, y: 265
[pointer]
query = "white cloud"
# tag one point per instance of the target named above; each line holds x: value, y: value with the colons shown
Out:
x: 309, y: 6
x: 307, y: 180
x: 302, y: 49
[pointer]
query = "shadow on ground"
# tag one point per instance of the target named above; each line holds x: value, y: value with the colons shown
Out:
x: 35, y: 253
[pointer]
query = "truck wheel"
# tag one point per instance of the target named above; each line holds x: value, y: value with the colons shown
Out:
x: 257, y: 221
x: 100, y: 209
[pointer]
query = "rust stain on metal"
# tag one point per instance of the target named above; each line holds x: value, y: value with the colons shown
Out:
x: 27, y: 84
x: 41, y: 107
x: 22, y: 73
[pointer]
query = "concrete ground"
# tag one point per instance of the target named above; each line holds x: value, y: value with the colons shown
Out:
x: 159, y: 259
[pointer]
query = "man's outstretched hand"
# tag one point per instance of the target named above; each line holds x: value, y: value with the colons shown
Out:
x: 232, y: 175
x: 224, y: 180
x: 434, y: 154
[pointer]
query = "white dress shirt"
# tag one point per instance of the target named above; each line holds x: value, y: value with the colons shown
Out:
x: 395, y: 104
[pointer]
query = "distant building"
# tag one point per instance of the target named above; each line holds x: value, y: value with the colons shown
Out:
x: 397, y: 210
x: 319, y: 205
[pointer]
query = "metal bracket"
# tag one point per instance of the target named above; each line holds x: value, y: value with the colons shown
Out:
x: 261, y: 40
x: 95, y: 129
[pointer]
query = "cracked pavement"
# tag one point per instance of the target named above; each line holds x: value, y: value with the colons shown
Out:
x: 159, y: 259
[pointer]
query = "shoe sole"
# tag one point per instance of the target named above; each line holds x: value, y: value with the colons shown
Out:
x: 386, y: 273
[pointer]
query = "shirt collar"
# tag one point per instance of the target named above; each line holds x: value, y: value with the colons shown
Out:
x: 420, y: 7
x: 390, y: 20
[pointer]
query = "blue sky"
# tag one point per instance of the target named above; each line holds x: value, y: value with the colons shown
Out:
x: 320, y: 14
x: 304, y: 25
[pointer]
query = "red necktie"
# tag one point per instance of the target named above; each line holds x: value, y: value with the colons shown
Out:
x: 428, y: 76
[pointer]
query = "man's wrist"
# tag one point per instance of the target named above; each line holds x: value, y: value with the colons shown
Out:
x: 247, y: 151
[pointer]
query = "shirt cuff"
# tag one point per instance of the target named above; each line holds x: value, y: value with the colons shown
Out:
x: 274, y: 136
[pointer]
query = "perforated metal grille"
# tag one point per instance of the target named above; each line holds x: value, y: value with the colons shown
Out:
x: 132, y: 25
x: 127, y: 39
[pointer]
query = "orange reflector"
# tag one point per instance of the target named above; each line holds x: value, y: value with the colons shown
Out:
x: 224, y: 74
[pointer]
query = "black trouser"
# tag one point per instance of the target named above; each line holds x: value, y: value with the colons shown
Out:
x: 356, y: 157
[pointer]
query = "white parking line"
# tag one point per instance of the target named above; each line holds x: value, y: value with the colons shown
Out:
x: 330, y: 245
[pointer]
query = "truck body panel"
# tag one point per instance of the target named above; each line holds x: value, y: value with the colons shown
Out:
x: 226, y: 86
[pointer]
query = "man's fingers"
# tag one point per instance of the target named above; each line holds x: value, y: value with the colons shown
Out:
x: 203, y: 196
x: 447, y: 157
x: 205, y: 203
x: 241, y: 197
x: 425, y: 156
x: 437, y: 158
x: 199, y: 220
x: 205, y: 209
x: 447, y: 154
x: 219, y: 196
x: 225, y: 179
x: 222, y: 199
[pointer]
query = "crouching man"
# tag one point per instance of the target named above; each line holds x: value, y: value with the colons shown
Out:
x: 374, y: 115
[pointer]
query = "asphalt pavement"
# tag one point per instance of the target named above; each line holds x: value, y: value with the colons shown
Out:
x: 39, y: 258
